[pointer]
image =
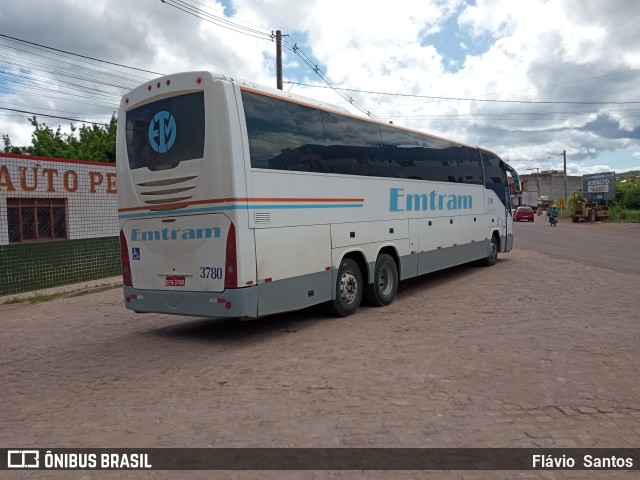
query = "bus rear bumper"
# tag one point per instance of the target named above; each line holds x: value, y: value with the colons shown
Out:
x: 232, y: 303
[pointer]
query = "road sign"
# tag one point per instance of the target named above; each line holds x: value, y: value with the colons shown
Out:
x: 599, y: 186
x: 560, y: 202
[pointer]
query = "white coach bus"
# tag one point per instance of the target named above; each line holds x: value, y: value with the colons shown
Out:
x: 236, y: 200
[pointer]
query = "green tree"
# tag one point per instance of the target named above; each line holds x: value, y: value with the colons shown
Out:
x: 48, y: 143
x: 628, y: 194
x: 8, y: 148
x: 576, y: 197
x: 632, y: 196
x: 96, y: 142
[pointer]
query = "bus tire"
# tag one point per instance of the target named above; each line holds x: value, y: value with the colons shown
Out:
x: 492, y: 256
x: 385, y: 282
x: 348, y: 289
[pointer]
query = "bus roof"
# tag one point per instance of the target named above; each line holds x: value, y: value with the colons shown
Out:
x: 307, y: 101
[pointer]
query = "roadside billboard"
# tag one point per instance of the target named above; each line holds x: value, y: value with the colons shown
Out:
x: 599, y: 186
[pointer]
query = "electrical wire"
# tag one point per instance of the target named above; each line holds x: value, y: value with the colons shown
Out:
x: 32, y: 69
x: 221, y: 22
x: 431, y: 97
x: 262, y: 34
x: 330, y: 83
x: 52, y: 116
x: 76, y: 54
x: 55, y: 110
x: 72, y: 67
x: 69, y: 68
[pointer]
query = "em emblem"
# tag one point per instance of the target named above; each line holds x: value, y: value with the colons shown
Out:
x: 162, y: 131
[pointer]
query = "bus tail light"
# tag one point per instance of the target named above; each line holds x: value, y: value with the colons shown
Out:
x: 231, y: 263
x: 124, y: 258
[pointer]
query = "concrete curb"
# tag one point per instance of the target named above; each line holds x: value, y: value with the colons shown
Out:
x: 71, y: 290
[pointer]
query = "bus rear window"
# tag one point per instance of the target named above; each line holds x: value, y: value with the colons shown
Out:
x: 164, y: 133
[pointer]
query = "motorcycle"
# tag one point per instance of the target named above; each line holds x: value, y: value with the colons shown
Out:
x: 553, y: 221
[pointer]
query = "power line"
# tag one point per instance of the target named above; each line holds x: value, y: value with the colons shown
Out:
x: 596, y: 77
x: 50, y: 69
x: 69, y: 85
x: 221, y: 22
x: 52, y: 116
x: 77, y: 54
x: 61, y: 63
x: 222, y: 12
x: 262, y: 35
x: 62, y: 82
x: 331, y: 84
x: 430, y: 97
x: 52, y: 110
x: 20, y: 92
x: 323, y: 76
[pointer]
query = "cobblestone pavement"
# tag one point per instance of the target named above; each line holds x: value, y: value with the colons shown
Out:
x: 523, y: 354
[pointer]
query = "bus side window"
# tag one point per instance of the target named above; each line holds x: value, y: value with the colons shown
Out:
x: 283, y: 135
x: 494, y: 177
x: 353, y: 146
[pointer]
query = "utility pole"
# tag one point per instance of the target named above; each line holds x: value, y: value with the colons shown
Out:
x: 279, y: 59
x: 564, y: 156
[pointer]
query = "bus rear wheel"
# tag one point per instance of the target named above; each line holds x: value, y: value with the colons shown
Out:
x: 348, y: 289
x: 385, y: 282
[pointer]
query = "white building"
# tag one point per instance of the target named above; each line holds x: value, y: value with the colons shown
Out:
x: 58, y: 222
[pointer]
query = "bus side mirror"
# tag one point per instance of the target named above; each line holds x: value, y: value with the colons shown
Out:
x: 517, y: 186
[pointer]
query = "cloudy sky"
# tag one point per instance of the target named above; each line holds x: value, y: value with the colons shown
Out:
x: 526, y: 79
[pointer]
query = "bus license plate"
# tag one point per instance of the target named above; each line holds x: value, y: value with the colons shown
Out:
x: 174, y: 281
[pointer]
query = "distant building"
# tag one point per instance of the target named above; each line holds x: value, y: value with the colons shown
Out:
x: 550, y: 187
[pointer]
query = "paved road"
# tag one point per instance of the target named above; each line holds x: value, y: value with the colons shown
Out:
x: 608, y: 245
x: 470, y: 357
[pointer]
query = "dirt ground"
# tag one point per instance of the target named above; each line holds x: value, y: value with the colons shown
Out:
x: 470, y: 357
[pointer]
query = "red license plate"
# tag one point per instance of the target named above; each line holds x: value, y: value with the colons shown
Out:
x: 174, y: 281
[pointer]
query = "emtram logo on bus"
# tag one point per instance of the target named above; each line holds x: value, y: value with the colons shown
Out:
x: 162, y: 126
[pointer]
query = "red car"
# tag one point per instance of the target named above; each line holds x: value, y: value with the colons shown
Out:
x: 524, y: 213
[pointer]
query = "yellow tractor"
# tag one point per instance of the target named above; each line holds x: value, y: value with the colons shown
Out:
x: 589, y: 211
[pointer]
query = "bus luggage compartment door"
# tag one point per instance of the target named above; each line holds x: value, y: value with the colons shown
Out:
x: 179, y: 253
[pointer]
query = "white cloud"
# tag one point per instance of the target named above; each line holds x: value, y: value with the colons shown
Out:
x: 531, y: 50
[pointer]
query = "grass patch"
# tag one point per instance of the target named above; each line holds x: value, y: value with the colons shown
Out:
x: 39, y: 298
x: 630, y: 216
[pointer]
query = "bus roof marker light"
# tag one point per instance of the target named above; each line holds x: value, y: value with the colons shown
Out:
x: 126, y: 101
x: 149, y: 88
x: 168, y: 82
x: 199, y: 81
x: 158, y: 85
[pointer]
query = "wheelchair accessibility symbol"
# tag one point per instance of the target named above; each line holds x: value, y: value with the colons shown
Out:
x: 135, y: 253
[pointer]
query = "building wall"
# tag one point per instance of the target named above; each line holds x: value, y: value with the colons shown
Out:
x: 551, y: 185
x: 89, y: 249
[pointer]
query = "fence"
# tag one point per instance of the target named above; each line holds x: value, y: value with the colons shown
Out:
x: 58, y: 222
